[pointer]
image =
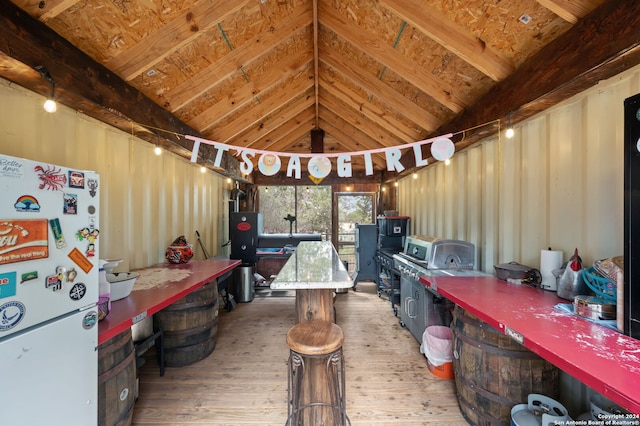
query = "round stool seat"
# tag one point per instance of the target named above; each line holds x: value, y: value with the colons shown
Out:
x: 315, y: 337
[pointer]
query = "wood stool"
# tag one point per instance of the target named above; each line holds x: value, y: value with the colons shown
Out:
x: 316, y: 390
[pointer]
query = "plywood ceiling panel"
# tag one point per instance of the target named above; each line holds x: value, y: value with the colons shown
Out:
x: 262, y: 74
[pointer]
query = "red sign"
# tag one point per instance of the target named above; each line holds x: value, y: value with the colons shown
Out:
x: 22, y: 240
x: 243, y: 226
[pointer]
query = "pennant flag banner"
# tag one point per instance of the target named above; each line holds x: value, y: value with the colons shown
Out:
x: 319, y: 165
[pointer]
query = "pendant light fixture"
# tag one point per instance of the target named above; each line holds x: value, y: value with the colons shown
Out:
x: 509, y: 133
x: 50, y: 104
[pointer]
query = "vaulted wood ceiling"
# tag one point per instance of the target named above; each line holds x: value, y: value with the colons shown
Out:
x: 265, y: 73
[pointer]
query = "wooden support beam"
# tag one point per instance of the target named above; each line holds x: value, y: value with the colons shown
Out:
x: 87, y: 86
x: 602, y: 45
x: 317, y: 140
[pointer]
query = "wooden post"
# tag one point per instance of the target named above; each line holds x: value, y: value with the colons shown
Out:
x: 315, y: 304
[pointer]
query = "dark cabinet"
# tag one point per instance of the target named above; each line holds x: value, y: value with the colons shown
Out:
x: 366, y: 238
x: 244, y: 229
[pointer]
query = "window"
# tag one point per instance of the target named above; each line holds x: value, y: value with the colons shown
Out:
x: 311, y: 206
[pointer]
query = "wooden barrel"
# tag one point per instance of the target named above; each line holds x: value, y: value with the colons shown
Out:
x: 190, y: 326
x: 493, y: 372
x: 116, y: 380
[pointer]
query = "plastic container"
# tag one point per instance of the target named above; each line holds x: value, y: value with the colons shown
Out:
x: 437, y: 344
x: 104, y: 295
x: 539, y: 411
x: 600, y: 285
x: 444, y: 371
x: 121, y: 284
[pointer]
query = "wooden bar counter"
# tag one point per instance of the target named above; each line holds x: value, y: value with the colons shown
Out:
x: 157, y: 287
x: 314, y: 271
x: 600, y: 357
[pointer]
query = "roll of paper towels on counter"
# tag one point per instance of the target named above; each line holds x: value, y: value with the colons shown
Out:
x: 549, y: 261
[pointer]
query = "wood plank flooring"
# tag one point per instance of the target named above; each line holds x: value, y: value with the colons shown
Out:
x: 244, y: 381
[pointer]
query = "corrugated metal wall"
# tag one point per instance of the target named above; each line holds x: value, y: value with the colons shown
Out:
x: 558, y: 183
x: 146, y: 200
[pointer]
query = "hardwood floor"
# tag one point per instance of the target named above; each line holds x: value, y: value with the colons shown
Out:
x: 244, y: 381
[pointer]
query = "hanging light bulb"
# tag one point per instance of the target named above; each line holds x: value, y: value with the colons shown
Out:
x: 157, y: 150
x: 203, y: 169
x: 447, y: 161
x: 50, y: 105
x: 510, y: 132
x: 414, y: 175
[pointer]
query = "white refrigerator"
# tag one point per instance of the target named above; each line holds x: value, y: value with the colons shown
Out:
x: 49, y: 235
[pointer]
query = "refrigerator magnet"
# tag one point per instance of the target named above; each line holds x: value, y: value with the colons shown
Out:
x: 70, y: 204
x: 57, y: 233
x: 80, y: 260
x: 76, y: 179
x: 52, y: 178
x: 71, y: 275
x: 27, y: 203
x: 28, y: 276
x: 78, y: 291
x: 11, y: 313
x: 90, y: 320
x: 53, y: 282
x: 7, y: 284
x: 92, y: 184
x: 23, y: 240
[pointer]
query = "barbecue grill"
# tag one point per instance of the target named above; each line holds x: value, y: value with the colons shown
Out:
x: 423, y: 255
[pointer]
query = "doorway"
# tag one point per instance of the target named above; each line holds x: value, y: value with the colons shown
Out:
x: 352, y: 208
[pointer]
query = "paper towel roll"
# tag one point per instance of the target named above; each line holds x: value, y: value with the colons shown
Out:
x: 550, y: 260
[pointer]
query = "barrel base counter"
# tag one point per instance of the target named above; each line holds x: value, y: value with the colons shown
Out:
x: 493, y: 372
x: 189, y: 326
x: 116, y: 380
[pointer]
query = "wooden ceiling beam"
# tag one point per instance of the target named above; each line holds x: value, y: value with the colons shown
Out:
x: 83, y: 84
x: 268, y: 106
x: 387, y: 56
x: 383, y: 138
x: 247, y: 52
x: 371, y: 84
x: 604, y: 35
x: 253, y: 90
x: 275, y: 119
x: 369, y: 110
x: 159, y: 44
x: 280, y: 139
x: 452, y: 37
x: 603, y: 44
x: 570, y: 10
x: 335, y: 127
x: 43, y: 10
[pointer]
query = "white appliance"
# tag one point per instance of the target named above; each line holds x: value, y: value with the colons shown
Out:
x: 48, y: 294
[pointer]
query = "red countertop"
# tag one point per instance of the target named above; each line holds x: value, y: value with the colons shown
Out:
x: 600, y: 357
x: 157, y: 287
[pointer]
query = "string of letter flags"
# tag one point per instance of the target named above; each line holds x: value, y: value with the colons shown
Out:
x: 319, y: 165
